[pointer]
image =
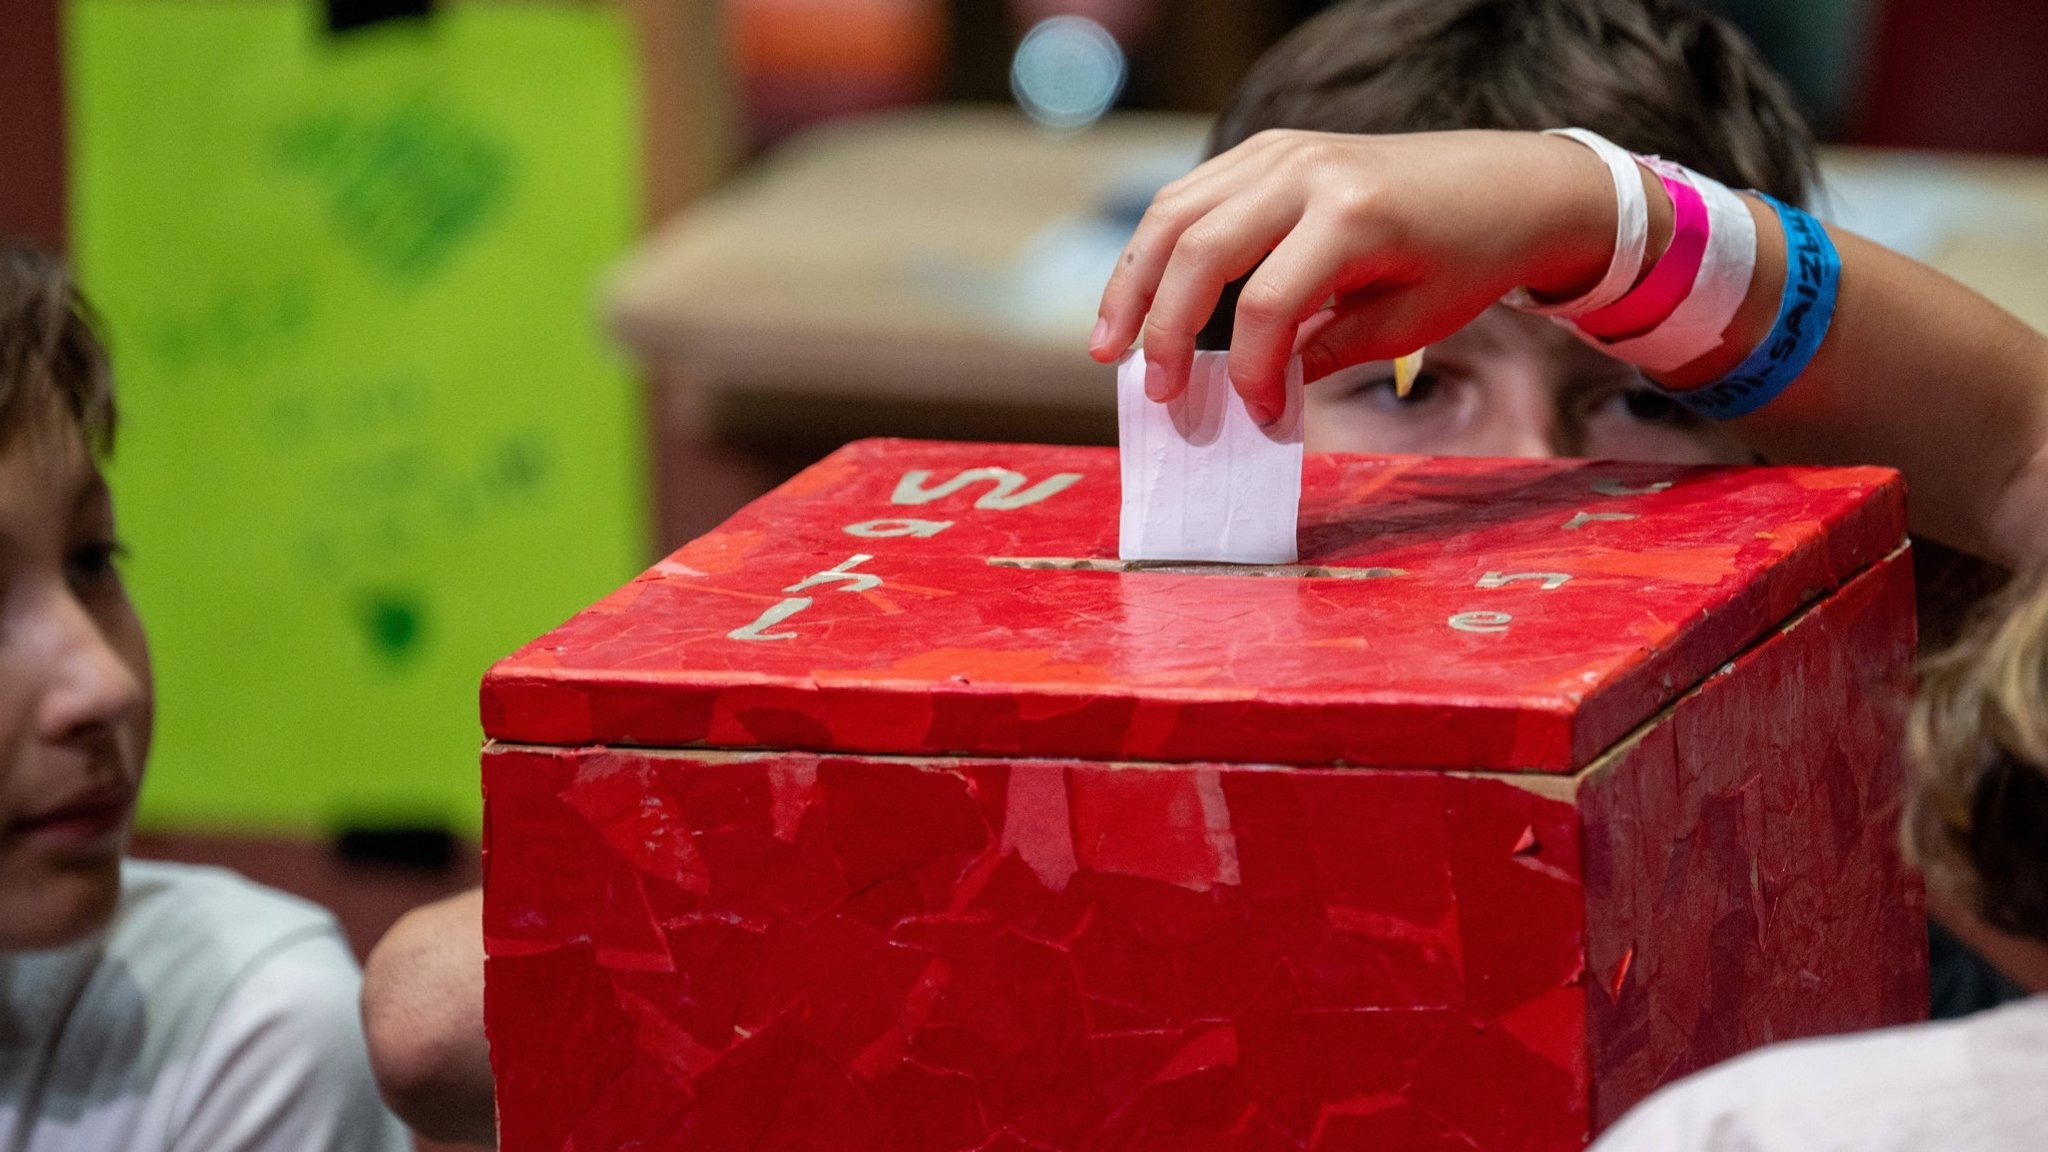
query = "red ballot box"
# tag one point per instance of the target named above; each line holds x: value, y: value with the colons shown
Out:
x: 897, y: 815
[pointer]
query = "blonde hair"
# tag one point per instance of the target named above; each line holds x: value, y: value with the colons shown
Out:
x: 1977, y: 814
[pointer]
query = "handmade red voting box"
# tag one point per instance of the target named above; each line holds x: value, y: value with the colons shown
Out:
x: 898, y: 815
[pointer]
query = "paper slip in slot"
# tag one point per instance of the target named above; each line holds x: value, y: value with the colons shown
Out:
x: 1201, y: 479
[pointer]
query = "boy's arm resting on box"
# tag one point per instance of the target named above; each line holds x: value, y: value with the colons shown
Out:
x: 1367, y: 247
x: 1918, y: 373
x: 423, y: 1013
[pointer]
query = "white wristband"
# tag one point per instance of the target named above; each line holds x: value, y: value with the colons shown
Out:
x: 1696, y: 327
x: 1631, y: 233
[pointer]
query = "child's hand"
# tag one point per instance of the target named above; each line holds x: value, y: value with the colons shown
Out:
x: 1373, y: 246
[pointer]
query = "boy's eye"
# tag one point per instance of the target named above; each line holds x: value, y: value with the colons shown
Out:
x: 1421, y: 389
x: 1379, y: 392
x: 91, y: 565
x: 1653, y: 407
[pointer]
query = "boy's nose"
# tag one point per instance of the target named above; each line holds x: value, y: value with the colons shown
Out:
x: 1528, y: 436
x: 1539, y: 444
x: 92, y: 685
x: 1521, y: 415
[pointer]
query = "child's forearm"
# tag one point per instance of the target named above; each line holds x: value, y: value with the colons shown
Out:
x: 1918, y: 372
x: 1922, y: 374
x: 423, y: 1015
x: 1381, y: 244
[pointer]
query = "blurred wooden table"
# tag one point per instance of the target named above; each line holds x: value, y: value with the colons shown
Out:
x: 1981, y: 219
x: 929, y: 273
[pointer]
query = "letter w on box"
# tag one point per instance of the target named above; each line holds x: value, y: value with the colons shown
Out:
x: 1201, y: 479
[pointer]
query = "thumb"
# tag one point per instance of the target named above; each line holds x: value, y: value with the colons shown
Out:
x: 1359, y: 328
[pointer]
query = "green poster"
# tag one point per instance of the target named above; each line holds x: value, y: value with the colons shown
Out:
x: 372, y: 437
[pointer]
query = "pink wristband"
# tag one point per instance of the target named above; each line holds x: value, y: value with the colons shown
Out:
x: 1653, y: 301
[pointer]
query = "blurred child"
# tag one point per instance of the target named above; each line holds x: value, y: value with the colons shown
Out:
x: 1978, y: 824
x: 1655, y: 76
x: 142, y: 1006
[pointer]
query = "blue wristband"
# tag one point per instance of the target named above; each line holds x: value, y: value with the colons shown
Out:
x: 1813, y: 275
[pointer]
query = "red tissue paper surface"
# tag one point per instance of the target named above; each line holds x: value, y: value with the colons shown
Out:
x: 1517, y: 614
x: 980, y: 936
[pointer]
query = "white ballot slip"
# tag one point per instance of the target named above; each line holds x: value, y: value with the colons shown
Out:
x: 1201, y: 479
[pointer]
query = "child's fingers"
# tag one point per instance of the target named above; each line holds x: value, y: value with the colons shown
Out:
x: 1134, y: 285
x: 1310, y: 331
x: 1135, y: 279
x: 1216, y: 167
x: 1212, y: 252
x: 1297, y: 278
x: 1363, y: 326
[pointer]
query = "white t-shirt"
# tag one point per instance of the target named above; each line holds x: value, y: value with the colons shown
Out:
x: 211, y: 1015
x: 1978, y: 1084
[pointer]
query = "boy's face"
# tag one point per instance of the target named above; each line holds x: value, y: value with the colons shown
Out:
x: 75, y: 694
x: 1510, y: 384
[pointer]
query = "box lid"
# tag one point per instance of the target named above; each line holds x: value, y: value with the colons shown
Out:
x: 905, y: 597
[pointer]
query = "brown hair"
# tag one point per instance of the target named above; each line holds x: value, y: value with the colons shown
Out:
x: 1977, y: 818
x: 1655, y: 76
x: 49, y: 347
